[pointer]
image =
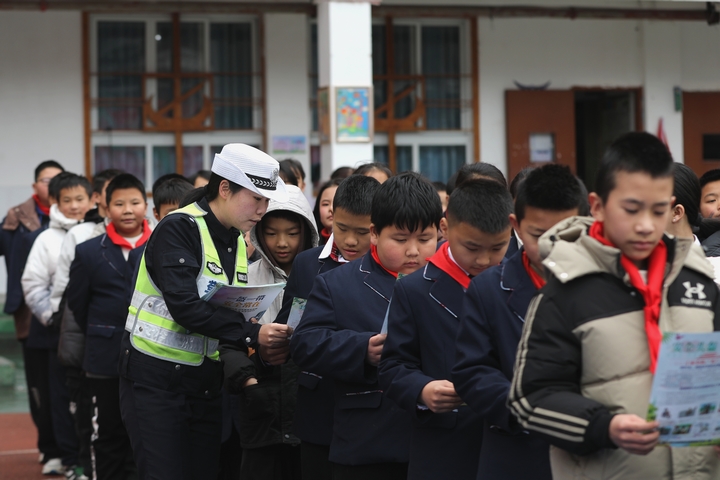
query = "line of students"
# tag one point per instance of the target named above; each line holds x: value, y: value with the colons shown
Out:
x: 412, y: 360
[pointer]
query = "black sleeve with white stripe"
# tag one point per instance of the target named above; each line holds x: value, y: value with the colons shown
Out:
x: 545, y: 394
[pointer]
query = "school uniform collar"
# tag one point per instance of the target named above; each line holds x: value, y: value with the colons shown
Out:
x: 327, y: 249
x: 113, y: 255
x: 445, y: 290
x: 515, y: 279
x: 376, y: 277
x: 217, y: 229
x: 455, y: 262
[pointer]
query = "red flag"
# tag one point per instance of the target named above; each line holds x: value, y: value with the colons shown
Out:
x: 661, y: 133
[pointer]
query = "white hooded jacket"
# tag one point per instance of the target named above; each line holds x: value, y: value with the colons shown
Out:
x: 264, y: 271
x: 39, y: 273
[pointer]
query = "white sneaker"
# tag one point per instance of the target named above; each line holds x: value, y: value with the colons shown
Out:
x: 41, y: 457
x: 53, y: 466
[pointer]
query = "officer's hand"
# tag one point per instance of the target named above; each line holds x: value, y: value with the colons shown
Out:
x: 274, y: 335
x: 633, y: 433
x: 374, y: 350
x: 440, y: 396
x: 275, y: 355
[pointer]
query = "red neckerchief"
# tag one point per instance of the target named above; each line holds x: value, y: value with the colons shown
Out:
x: 373, y: 252
x: 325, y: 234
x: 441, y: 259
x: 45, y: 210
x: 122, y: 241
x: 335, y: 253
x: 535, y: 277
x: 651, y: 293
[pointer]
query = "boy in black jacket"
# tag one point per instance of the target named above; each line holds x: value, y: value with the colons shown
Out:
x: 350, y: 240
x: 339, y: 336
x: 422, y: 325
x: 587, y: 356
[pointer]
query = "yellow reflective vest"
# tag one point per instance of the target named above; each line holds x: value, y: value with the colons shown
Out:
x: 153, y: 330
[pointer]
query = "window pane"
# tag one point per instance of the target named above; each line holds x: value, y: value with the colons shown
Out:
x: 403, y: 157
x: 192, y: 160
x: 191, y: 47
x: 439, y: 163
x: 121, y: 47
x: 404, y: 45
x: 379, y: 66
x: 127, y: 159
x: 163, y: 46
x: 314, y: 77
x: 121, y: 51
x: 164, y: 160
x: 441, y: 66
x: 231, y: 55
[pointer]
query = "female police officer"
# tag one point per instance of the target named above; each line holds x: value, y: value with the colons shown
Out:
x: 170, y: 369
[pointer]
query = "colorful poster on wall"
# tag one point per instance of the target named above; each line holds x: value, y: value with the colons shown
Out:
x: 323, y: 106
x: 289, y: 144
x: 353, y: 113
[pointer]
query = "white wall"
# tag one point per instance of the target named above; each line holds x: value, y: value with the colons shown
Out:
x: 41, y: 101
x: 597, y: 53
x: 654, y: 55
x: 286, y: 63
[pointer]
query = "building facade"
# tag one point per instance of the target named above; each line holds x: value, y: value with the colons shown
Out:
x: 158, y: 87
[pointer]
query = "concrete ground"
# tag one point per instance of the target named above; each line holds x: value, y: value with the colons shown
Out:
x: 18, y: 448
x: 18, y: 437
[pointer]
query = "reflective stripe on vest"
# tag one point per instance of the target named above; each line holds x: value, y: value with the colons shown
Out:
x: 153, y: 330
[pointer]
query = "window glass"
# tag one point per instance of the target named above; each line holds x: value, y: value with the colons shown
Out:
x: 127, y: 159
x: 438, y: 163
x: 121, y: 53
x: 441, y: 67
x: 231, y: 61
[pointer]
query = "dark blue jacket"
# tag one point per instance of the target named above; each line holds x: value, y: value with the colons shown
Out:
x: 490, y: 329
x: 513, y: 246
x: 346, y: 307
x: 420, y: 347
x: 97, y: 295
x: 16, y: 248
x: 313, y: 419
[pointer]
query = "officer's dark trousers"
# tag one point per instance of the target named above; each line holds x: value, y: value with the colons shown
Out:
x: 174, y: 436
x: 376, y: 471
x: 314, y: 460
x: 112, y: 454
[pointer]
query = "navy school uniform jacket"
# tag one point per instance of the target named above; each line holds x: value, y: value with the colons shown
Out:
x: 346, y: 307
x: 97, y: 295
x: 420, y: 347
x: 490, y: 328
x: 313, y: 419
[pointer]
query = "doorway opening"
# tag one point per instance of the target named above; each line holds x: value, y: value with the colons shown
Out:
x: 601, y: 116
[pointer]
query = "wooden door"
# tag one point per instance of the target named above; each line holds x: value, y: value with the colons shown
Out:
x: 530, y: 112
x: 701, y: 119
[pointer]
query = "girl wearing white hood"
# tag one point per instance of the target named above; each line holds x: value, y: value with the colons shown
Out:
x: 267, y: 393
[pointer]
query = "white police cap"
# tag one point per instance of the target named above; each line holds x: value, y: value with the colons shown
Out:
x: 252, y: 169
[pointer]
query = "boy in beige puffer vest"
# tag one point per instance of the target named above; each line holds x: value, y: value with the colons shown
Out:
x: 586, y: 360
